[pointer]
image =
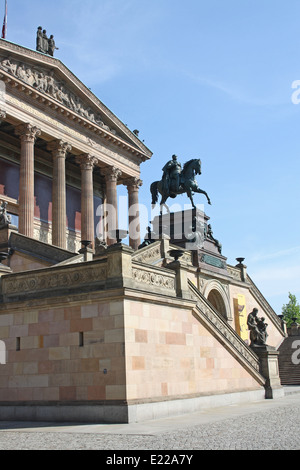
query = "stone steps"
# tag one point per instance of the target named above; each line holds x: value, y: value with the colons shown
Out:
x: 288, y: 371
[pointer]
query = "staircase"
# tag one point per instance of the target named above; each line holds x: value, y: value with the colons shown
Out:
x: 289, y: 369
x: 220, y: 329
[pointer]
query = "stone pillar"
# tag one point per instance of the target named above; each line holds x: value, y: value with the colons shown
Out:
x: 28, y: 135
x: 268, y: 360
x: 87, y: 163
x: 59, y: 150
x: 111, y: 177
x: 133, y: 185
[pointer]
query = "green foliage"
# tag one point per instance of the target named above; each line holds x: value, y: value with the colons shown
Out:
x: 291, y: 310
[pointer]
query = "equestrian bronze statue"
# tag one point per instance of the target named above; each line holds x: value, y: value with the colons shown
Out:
x: 177, y: 180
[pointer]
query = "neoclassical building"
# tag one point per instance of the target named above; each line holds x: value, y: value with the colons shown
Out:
x: 92, y: 329
x: 63, y: 153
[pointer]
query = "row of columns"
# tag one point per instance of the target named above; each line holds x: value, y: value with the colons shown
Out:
x: 59, y: 149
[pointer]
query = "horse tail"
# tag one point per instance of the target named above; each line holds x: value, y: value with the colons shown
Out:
x: 154, y: 192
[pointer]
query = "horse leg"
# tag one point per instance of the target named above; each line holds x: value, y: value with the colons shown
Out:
x: 154, y: 192
x: 198, y: 190
x: 163, y: 204
x: 190, y: 195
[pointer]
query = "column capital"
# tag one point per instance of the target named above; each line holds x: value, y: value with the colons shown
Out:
x: 111, y: 173
x: 133, y: 183
x: 27, y: 132
x: 86, y: 161
x: 59, y: 148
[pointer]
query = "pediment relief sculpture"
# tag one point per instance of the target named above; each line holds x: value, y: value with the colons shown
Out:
x: 45, y: 82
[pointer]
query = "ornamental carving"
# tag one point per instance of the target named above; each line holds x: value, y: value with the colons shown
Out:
x: 111, y: 173
x: 45, y: 82
x: 59, y: 148
x: 86, y: 161
x: 150, y: 255
x: 47, y: 281
x: 27, y: 132
x: 153, y: 279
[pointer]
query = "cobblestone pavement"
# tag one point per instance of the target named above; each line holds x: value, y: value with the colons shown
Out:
x: 267, y: 425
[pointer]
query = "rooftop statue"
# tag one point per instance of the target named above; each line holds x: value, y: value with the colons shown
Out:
x: 177, y: 180
x: 43, y: 43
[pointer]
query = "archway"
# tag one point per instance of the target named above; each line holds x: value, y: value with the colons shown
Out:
x: 215, y: 298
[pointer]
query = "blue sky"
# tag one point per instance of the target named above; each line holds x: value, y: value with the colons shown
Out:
x: 201, y: 78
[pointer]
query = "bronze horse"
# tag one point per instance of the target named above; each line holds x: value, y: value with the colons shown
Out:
x: 188, y: 185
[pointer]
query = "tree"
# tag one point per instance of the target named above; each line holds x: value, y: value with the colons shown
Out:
x: 291, y: 311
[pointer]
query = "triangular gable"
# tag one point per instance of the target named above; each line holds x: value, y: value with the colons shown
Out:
x: 50, y: 77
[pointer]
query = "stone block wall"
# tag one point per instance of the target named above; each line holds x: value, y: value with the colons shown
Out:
x: 65, y: 354
x: 171, y: 355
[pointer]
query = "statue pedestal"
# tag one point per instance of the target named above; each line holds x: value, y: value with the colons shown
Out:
x: 268, y: 358
x: 190, y: 230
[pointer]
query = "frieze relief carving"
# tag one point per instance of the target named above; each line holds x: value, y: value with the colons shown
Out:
x: 234, y: 272
x: 45, y: 82
x: 153, y: 279
x: 43, y: 281
x: 150, y: 255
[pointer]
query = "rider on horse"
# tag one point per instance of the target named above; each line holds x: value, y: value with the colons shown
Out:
x: 171, y: 177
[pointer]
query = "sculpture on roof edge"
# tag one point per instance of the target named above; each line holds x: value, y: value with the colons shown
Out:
x: 177, y: 180
x: 43, y: 43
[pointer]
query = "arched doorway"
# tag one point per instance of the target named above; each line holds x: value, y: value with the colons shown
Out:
x: 215, y: 298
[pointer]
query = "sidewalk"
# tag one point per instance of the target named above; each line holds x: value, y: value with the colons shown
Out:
x: 268, y: 424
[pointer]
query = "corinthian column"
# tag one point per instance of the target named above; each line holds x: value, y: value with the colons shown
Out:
x: 59, y: 150
x: 133, y: 185
x: 111, y: 177
x: 28, y: 135
x: 87, y: 163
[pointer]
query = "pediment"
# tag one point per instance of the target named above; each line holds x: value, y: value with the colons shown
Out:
x: 49, y: 77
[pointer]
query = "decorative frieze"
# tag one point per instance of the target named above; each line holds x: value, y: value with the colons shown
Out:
x: 45, y: 82
x: 153, y: 278
x: 37, y: 282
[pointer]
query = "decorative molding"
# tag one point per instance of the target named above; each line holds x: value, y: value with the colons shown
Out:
x: 86, y: 161
x: 234, y: 272
x: 133, y: 184
x: 149, y: 254
x: 45, y: 82
x: 106, y: 155
x: 154, y: 278
x: 8, y: 49
x: 27, y: 132
x: 59, y: 148
x: 55, y: 278
x: 111, y: 173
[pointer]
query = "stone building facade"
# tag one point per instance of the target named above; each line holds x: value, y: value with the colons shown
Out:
x: 105, y: 332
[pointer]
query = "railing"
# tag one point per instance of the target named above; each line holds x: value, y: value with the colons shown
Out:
x: 219, y: 328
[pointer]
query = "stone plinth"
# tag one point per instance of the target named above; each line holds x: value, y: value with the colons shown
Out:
x: 190, y: 230
x: 268, y: 357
